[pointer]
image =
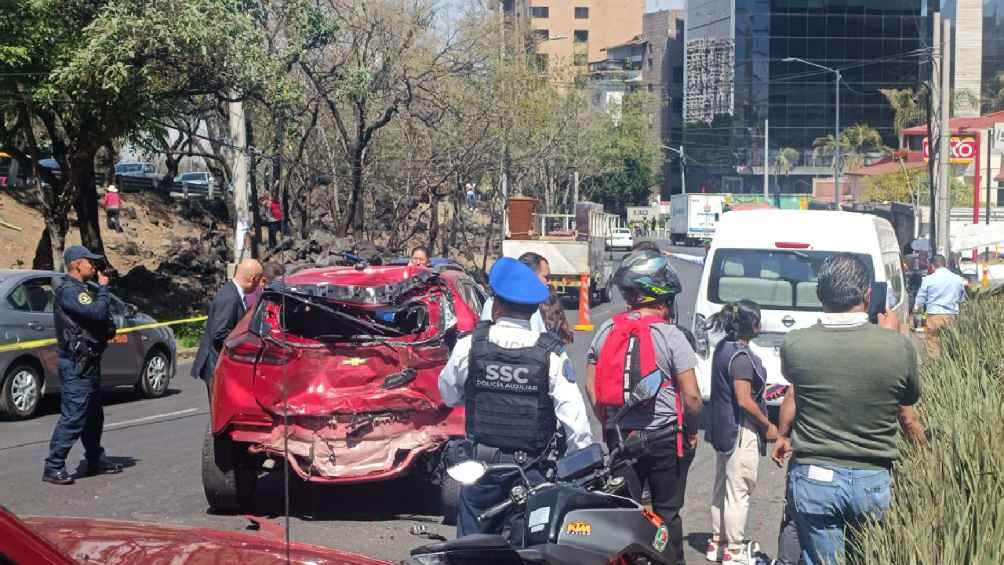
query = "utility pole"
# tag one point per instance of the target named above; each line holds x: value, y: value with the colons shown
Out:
x: 944, y: 190
x: 933, y: 133
x: 575, y: 184
x: 239, y: 166
x: 766, y: 161
x: 683, y: 177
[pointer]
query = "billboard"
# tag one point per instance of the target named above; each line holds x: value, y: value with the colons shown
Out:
x: 963, y: 150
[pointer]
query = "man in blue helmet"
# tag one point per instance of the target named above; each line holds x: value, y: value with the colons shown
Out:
x: 517, y: 385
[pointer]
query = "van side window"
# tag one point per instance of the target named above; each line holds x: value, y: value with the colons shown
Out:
x: 894, y: 275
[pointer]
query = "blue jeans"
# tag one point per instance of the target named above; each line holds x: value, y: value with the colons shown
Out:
x: 492, y: 489
x: 81, y: 415
x: 824, y: 500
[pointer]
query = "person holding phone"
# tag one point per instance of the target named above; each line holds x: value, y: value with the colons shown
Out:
x: 83, y: 327
x: 851, y: 382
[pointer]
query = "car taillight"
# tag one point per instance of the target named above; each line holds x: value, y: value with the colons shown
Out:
x: 701, y: 335
x: 244, y: 348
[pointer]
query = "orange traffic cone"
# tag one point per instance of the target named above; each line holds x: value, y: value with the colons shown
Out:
x: 585, y: 324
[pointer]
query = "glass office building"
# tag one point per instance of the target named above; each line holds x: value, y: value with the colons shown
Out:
x: 735, y: 67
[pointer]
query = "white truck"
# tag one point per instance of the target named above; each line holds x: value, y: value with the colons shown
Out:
x: 694, y: 217
x: 573, y: 246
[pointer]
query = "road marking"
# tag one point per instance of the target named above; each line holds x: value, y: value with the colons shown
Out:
x: 148, y: 418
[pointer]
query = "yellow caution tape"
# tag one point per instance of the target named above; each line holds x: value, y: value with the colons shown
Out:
x: 36, y: 343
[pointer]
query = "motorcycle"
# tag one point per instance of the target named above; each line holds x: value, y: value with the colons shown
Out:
x: 575, y: 517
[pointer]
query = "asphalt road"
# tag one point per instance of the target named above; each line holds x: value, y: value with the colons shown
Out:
x: 160, y: 441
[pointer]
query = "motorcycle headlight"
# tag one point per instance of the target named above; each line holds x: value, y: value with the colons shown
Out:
x: 701, y: 334
x: 430, y: 559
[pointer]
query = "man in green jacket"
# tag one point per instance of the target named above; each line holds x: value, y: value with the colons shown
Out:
x: 852, y: 383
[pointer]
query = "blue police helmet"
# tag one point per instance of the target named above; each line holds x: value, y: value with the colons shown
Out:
x: 514, y: 282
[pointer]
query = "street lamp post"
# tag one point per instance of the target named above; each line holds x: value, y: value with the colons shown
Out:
x: 836, y: 127
x: 683, y: 178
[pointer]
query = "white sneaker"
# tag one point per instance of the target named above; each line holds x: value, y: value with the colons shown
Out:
x: 744, y: 556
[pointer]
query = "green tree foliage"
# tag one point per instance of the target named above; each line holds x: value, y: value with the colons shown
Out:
x: 856, y: 142
x: 904, y: 186
x: 77, y: 75
x: 909, y: 107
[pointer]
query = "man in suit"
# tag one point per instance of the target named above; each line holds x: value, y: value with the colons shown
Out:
x: 226, y: 310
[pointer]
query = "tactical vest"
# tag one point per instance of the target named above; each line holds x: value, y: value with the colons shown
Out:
x: 78, y: 339
x: 507, y: 393
x: 725, y: 415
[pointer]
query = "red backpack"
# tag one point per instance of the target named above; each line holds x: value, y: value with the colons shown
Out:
x: 627, y: 357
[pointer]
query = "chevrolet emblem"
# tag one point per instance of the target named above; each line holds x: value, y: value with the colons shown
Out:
x: 354, y: 361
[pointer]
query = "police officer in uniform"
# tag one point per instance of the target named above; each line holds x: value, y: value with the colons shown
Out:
x: 83, y: 327
x: 517, y: 385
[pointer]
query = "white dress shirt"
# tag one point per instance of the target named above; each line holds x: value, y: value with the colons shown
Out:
x: 510, y: 333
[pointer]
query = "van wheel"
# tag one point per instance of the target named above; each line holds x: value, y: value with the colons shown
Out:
x: 228, y: 477
x: 21, y: 392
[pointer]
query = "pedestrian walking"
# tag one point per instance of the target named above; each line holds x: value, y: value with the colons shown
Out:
x: 83, y: 325
x: 940, y: 295
x: 550, y: 316
x: 738, y: 429
x: 226, y: 310
x: 636, y: 344
x: 472, y: 196
x: 271, y: 213
x: 851, y: 381
x: 516, y: 422
x: 113, y: 205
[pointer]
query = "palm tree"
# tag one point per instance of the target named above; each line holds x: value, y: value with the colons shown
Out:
x: 856, y: 142
x: 784, y: 162
x: 908, y: 106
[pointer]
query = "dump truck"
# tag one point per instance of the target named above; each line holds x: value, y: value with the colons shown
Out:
x: 573, y: 244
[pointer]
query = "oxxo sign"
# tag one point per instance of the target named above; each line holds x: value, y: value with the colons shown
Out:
x: 963, y: 150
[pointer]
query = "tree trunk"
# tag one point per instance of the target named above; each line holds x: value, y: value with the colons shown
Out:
x: 353, y: 220
x: 86, y: 204
x: 433, y: 221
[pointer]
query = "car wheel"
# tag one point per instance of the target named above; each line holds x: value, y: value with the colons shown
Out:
x: 21, y: 392
x: 605, y: 294
x: 228, y: 478
x: 156, y: 375
x: 449, y: 498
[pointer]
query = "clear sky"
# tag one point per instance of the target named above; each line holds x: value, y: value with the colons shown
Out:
x: 653, y: 5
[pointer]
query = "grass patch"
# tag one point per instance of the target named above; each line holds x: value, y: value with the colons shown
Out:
x: 948, y: 497
x: 190, y: 334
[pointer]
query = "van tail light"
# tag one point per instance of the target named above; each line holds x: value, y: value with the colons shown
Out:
x: 790, y: 245
x: 701, y: 335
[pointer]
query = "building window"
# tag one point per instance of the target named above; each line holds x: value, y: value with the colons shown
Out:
x: 542, y: 34
x: 580, y: 60
x: 581, y: 35
x: 582, y: 13
x: 539, y: 12
x: 650, y: 63
x: 651, y: 88
x: 540, y: 61
x: 677, y: 75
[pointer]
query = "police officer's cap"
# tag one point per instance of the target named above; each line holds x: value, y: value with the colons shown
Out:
x: 75, y: 252
x: 514, y: 282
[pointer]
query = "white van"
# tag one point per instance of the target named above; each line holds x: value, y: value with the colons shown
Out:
x: 771, y: 257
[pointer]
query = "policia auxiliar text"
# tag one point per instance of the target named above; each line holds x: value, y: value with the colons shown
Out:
x: 83, y: 328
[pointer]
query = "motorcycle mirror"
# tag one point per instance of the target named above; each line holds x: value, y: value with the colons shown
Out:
x: 647, y: 388
x: 468, y: 472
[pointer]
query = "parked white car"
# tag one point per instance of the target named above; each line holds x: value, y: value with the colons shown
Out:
x: 771, y: 257
x: 620, y: 238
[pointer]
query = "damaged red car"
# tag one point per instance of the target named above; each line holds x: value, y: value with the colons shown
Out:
x: 335, y: 374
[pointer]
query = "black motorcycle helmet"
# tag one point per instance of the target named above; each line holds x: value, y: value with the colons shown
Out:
x: 645, y: 276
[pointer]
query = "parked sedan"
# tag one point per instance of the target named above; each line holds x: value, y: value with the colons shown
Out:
x: 143, y: 359
x: 620, y: 238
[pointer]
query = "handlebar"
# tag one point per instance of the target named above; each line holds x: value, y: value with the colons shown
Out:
x: 495, y: 510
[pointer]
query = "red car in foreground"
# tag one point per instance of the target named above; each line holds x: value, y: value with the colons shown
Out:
x: 68, y: 541
x: 335, y: 373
